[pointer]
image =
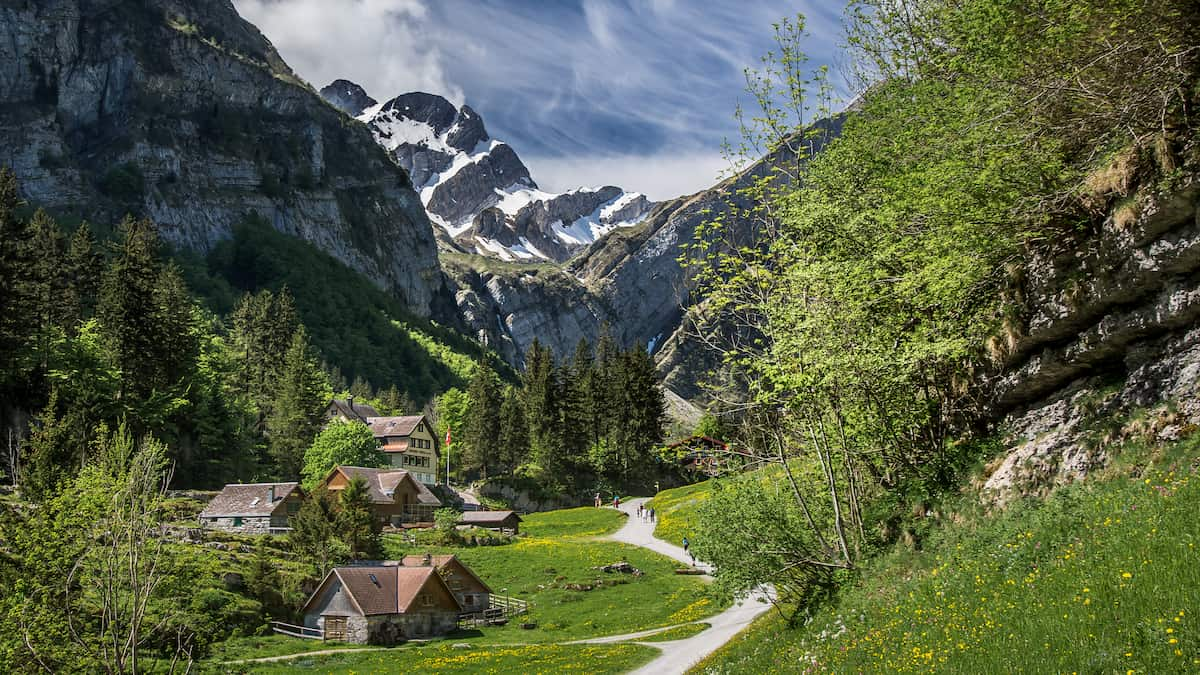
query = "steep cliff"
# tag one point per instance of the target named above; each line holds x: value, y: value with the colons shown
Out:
x: 184, y: 112
x: 1110, y: 328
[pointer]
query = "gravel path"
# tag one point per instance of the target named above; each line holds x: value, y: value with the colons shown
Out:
x: 679, y: 655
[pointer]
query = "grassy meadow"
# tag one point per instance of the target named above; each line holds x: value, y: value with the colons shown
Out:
x: 445, y: 658
x: 676, y: 511
x: 1102, y: 577
x: 551, y: 565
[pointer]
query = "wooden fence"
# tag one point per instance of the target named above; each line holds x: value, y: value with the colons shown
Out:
x: 297, y: 631
x: 500, y: 609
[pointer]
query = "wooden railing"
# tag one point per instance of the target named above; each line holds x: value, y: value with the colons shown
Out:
x: 297, y: 631
x: 500, y: 609
x: 510, y: 606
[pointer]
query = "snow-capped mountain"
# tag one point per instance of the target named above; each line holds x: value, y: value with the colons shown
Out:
x: 476, y: 187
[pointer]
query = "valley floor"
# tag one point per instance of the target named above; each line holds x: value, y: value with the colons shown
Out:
x: 675, y: 609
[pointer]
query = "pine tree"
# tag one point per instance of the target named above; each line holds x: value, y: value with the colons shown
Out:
x: 361, y: 389
x: 17, y: 298
x: 175, y: 323
x: 541, y: 412
x: 313, y: 536
x: 84, y: 268
x: 514, y: 431
x: 298, y: 409
x: 53, y: 453
x: 129, y: 309
x: 356, y: 524
x: 483, y: 424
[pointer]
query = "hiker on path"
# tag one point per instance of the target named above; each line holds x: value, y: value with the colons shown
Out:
x: 652, y: 514
x: 639, y: 511
x: 616, y: 501
x: 686, y: 544
x: 598, y: 500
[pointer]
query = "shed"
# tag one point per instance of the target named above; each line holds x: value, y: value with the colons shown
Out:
x: 493, y: 520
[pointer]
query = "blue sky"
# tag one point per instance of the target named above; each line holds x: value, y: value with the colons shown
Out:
x: 635, y: 93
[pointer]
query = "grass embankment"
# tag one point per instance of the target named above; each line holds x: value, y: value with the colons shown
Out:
x: 676, y: 511
x: 1102, y: 577
x: 678, y: 633
x: 444, y: 658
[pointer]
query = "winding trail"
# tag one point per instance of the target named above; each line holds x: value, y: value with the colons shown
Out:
x: 679, y: 655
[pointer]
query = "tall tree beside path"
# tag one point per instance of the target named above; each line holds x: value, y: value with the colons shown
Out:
x: 482, y: 434
x: 298, y: 409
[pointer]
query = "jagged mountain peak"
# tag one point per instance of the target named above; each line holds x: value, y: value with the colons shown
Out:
x: 348, y: 97
x: 480, y: 192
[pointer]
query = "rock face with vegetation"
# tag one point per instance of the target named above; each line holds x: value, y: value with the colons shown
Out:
x: 183, y: 112
x: 1111, y: 326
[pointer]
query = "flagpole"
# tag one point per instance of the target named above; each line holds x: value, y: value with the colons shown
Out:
x: 447, y: 456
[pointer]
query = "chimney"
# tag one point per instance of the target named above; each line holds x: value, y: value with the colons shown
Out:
x: 428, y: 560
x: 350, y: 403
x: 271, y: 494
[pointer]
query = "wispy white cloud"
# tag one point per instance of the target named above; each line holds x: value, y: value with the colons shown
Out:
x: 659, y: 177
x: 577, y: 87
x: 377, y: 42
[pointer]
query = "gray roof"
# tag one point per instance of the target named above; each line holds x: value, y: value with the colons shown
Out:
x: 487, y: 517
x: 354, y: 410
x: 394, y: 426
x: 381, y: 483
x: 248, y: 500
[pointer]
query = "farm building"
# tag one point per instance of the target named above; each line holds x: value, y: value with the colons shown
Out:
x: 382, y: 604
x: 470, y: 591
x: 505, y: 521
x: 396, y: 496
x: 257, y: 508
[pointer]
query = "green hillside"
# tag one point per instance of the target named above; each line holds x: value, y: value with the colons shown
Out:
x: 1102, y: 577
x: 357, y: 327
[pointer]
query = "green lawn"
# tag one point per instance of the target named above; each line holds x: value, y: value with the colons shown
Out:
x: 585, y: 521
x: 570, y: 599
x: 274, y: 644
x: 444, y: 658
x: 1103, y: 577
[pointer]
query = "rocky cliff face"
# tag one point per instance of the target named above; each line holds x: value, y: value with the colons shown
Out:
x: 1111, y: 332
x: 477, y: 189
x: 631, y: 280
x: 184, y: 112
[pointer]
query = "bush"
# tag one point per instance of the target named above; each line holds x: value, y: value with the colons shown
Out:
x: 124, y: 183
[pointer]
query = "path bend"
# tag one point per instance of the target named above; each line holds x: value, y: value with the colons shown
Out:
x: 680, y: 655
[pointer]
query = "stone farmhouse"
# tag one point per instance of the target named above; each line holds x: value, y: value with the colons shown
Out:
x: 382, y: 604
x: 396, y: 497
x: 260, y: 508
x: 349, y: 411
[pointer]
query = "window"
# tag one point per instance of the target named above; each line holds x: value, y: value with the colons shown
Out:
x: 237, y: 522
x: 293, y: 507
x: 427, y: 600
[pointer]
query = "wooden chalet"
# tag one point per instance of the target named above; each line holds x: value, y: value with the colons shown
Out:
x: 382, y: 604
x: 254, y: 508
x: 505, y: 521
x: 397, y: 498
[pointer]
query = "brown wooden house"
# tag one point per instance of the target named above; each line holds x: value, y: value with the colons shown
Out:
x: 382, y: 604
x: 396, y: 496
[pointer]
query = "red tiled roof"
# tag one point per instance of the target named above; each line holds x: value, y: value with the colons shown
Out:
x: 441, y: 561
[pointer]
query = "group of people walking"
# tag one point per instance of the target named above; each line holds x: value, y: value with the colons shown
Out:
x: 644, y: 514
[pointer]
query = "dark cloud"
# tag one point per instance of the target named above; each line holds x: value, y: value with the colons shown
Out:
x: 582, y: 89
